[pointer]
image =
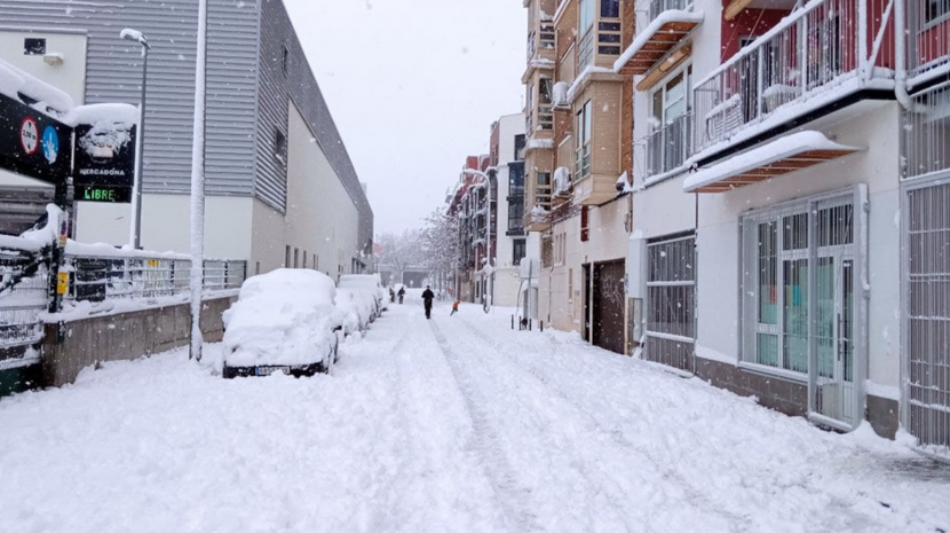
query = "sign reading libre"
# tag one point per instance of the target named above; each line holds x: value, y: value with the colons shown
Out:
x: 116, y: 195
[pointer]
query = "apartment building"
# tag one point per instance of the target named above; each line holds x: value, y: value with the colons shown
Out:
x: 281, y: 188
x: 578, y: 164
x: 790, y: 229
x: 512, y: 242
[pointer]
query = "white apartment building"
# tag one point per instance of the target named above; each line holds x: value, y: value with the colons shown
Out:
x: 776, y: 160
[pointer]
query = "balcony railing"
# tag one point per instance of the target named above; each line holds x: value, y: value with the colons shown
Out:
x: 927, y: 36
x: 777, y: 71
x: 925, y: 146
x: 541, y: 38
x: 668, y: 147
x: 659, y: 6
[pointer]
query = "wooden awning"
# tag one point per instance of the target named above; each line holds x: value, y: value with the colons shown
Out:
x: 781, y: 156
x: 656, y: 40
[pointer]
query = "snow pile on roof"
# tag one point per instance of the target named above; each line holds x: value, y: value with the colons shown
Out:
x: 539, y: 214
x: 541, y: 63
x: 562, y: 180
x: 14, y: 82
x: 285, y: 317
x: 582, y: 79
x: 664, y: 18
x: 777, y: 150
x: 49, y: 233
x: 539, y: 144
x: 93, y: 114
x: 623, y: 184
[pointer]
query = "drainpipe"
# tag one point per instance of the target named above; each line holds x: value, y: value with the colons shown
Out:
x: 900, y: 64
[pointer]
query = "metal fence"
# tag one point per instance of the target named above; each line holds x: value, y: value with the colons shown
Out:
x: 23, y: 297
x: 25, y: 287
x: 669, y: 146
x: 927, y: 35
x: 97, y: 279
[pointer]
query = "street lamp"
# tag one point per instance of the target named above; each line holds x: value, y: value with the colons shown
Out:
x: 136, y: 227
x: 488, y: 228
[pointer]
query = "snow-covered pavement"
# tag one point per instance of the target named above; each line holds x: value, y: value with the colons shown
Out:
x: 451, y: 425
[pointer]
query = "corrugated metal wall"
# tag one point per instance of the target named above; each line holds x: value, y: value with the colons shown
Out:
x: 299, y: 84
x: 234, y: 89
x: 114, y: 73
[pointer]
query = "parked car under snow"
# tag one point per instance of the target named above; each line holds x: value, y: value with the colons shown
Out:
x: 369, y: 283
x: 359, y: 306
x: 284, y: 321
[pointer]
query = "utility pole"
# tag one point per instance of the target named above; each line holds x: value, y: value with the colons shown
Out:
x: 198, y: 184
x: 136, y: 229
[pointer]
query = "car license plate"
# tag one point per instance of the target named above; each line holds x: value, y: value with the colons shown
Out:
x: 264, y: 371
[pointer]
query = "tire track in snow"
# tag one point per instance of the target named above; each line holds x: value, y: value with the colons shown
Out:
x: 743, y: 523
x: 513, y: 499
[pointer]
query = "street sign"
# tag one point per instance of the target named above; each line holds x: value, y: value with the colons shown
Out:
x: 113, y: 195
x: 105, y: 158
x: 34, y: 144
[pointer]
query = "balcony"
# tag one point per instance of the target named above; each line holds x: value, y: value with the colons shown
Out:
x: 541, y: 43
x: 668, y: 147
x: 659, y: 30
x: 777, y: 80
x: 928, y: 40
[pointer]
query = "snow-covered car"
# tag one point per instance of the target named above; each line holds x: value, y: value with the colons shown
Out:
x: 284, y: 321
x: 369, y: 283
x: 359, y: 306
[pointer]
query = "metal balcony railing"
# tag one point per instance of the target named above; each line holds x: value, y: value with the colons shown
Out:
x: 669, y: 146
x: 927, y: 35
x: 925, y: 137
x: 809, y: 53
x: 659, y: 6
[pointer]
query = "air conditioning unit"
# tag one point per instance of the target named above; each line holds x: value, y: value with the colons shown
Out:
x: 53, y: 59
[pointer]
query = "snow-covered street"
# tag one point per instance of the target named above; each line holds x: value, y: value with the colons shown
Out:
x: 452, y: 425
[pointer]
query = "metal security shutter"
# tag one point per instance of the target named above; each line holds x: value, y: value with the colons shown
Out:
x: 927, y: 315
x: 671, y: 303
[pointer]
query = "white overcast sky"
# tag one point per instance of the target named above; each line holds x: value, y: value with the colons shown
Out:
x: 414, y: 86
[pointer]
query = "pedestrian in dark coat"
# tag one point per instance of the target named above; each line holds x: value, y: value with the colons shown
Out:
x: 427, y: 298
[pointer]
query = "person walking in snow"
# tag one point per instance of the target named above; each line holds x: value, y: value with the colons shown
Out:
x: 402, y: 294
x: 427, y: 298
x: 455, y: 307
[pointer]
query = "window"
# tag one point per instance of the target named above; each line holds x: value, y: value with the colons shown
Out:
x: 280, y: 146
x: 304, y: 263
x: 519, y: 249
x: 515, y: 179
x: 587, y: 14
x: 585, y: 223
x: 610, y: 9
x: 583, y: 129
x: 937, y: 10
x: 515, y: 217
x: 668, y: 145
x: 287, y: 256
x: 34, y: 47
x: 785, y: 269
x: 296, y: 257
x: 542, y: 194
x: 519, y: 148
x: 285, y: 60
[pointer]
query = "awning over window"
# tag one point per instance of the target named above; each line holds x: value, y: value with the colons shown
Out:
x: 781, y: 156
x: 658, y: 38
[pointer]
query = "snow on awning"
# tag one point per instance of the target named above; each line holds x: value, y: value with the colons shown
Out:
x: 658, y: 38
x: 781, y: 156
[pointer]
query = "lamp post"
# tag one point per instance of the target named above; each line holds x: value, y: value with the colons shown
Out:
x: 198, y: 182
x: 136, y: 224
x: 488, y: 228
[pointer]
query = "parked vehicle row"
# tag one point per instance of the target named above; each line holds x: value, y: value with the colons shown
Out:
x: 292, y: 321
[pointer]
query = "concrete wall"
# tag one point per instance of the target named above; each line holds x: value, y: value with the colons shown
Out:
x: 69, y: 76
x: 124, y: 336
x: 322, y: 218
